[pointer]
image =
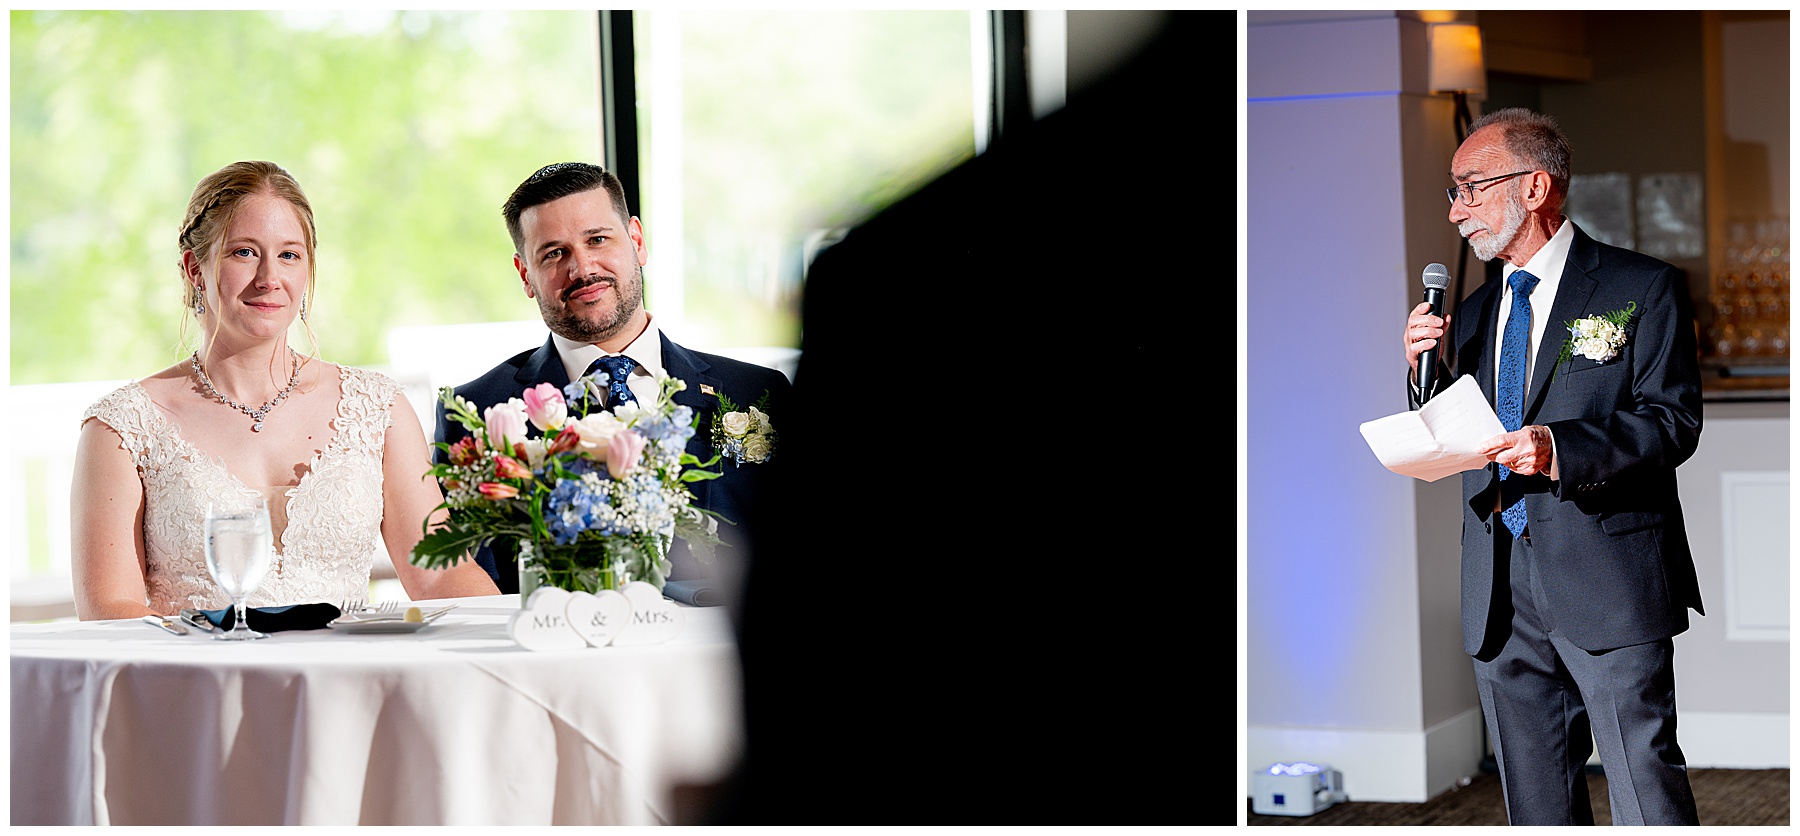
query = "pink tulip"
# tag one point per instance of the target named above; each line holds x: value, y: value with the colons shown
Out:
x: 545, y: 406
x: 505, y: 424
x: 497, y: 490
x: 622, y: 452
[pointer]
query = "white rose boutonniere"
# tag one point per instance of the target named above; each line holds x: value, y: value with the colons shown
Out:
x: 743, y: 435
x: 735, y: 424
x: 1598, y: 338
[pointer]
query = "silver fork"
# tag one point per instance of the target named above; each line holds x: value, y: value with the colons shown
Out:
x: 358, y: 609
x: 381, y: 611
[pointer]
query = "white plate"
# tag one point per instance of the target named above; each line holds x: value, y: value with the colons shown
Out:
x: 385, y: 625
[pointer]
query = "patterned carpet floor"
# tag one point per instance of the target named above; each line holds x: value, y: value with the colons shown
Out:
x: 1724, y: 797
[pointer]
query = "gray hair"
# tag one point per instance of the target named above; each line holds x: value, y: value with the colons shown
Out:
x: 1534, y: 139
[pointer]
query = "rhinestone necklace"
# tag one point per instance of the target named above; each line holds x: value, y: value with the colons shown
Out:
x: 255, y: 414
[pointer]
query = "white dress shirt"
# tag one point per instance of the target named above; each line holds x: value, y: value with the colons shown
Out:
x: 646, y: 350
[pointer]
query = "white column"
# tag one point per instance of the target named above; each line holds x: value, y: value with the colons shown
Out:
x: 1352, y: 632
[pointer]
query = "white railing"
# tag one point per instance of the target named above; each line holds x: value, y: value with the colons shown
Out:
x: 39, y: 472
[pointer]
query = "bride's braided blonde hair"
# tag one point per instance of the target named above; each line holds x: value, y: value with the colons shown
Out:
x: 215, y: 201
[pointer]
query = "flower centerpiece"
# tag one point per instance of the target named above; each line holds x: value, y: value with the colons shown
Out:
x: 592, y: 502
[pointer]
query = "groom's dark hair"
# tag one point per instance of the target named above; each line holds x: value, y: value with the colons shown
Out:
x: 559, y: 180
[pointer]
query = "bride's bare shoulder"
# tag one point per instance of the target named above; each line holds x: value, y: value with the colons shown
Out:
x: 178, y: 377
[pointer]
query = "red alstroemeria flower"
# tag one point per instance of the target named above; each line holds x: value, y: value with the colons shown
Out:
x: 496, y: 490
x: 465, y: 452
x: 507, y: 467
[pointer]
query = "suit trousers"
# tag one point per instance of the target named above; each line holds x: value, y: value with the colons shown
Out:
x: 1548, y: 703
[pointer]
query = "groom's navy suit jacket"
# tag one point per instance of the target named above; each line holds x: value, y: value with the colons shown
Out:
x: 1614, y: 561
x: 728, y: 496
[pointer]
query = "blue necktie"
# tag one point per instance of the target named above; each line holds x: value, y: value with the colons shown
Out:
x: 1509, y: 396
x: 618, y: 369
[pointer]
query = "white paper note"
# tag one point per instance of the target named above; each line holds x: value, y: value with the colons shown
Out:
x: 1442, y: 437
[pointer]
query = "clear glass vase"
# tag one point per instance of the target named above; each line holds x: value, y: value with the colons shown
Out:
x: 576, y: 567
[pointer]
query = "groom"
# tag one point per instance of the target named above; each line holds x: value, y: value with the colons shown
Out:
x: 581, y: 254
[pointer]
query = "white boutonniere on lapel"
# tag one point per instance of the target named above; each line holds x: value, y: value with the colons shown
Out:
x: 743, y: 435
x: 1598, y: 337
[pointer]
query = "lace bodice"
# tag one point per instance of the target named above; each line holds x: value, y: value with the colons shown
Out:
x: 333, y: 533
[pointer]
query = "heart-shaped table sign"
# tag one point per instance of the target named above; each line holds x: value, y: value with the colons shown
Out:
x: 654, y: 619
x: 598, y: 617
x: 544, y: 624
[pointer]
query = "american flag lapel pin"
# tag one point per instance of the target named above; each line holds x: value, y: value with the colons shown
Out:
x: 706, y: 389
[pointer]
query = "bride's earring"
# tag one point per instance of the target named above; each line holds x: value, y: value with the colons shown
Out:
x: 199, y: 302
x: 303, y: 309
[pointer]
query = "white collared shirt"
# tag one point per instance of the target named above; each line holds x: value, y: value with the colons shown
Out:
x: 646, y: 350
x: 1546, y: 264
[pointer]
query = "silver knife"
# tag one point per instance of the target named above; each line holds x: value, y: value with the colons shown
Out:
x: 166, y: 624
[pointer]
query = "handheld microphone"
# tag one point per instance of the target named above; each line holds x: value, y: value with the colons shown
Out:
x: 1436, y: 278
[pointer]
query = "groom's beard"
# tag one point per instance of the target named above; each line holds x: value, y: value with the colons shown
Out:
x: 598, y: 324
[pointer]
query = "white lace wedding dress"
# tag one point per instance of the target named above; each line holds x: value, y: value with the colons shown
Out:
x: 333, y: 533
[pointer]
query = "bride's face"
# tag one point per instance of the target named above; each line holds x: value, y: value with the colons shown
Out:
x: 256, y: 274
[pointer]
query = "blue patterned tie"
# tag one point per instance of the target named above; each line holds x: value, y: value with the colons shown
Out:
x: 1510, y: 394
x: 619, y: 370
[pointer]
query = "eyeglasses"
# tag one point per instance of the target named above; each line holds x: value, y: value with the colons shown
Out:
x: 1467, y: 190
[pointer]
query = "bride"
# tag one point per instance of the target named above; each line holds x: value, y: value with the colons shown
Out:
x: 340, y: 449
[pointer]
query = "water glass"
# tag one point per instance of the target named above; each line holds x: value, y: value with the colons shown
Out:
x: 238, y: 549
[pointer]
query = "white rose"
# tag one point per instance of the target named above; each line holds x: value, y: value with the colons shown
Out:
x: 595, y: 431
x: 756, y: 448
x: 736, y: 423
x: 1594, y: 348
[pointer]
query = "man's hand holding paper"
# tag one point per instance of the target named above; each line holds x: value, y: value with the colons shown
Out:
x: 1450, y: 434
x: 1525, y: 451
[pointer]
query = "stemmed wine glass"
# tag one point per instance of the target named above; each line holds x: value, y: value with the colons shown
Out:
x: 238, y: 546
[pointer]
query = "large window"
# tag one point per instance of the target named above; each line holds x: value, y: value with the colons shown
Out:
x: 407, y: 129
x: 764, y: 134
x: 761, y: 134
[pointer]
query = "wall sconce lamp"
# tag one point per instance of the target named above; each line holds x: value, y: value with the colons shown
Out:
x: 1456, y: 66
x: 1457, y: 69
x: 1456, y: 58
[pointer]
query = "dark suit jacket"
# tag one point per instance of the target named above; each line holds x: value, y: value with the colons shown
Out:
x: 727, y: 495
x: 1617, y: 570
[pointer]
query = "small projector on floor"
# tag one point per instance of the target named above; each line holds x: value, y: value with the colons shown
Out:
x: 1296, y: 789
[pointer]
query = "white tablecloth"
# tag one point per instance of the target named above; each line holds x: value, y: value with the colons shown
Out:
x: 118, y: 722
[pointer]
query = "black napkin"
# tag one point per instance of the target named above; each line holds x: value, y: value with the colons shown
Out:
x: 276, y: 619
x: 695, y: 593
